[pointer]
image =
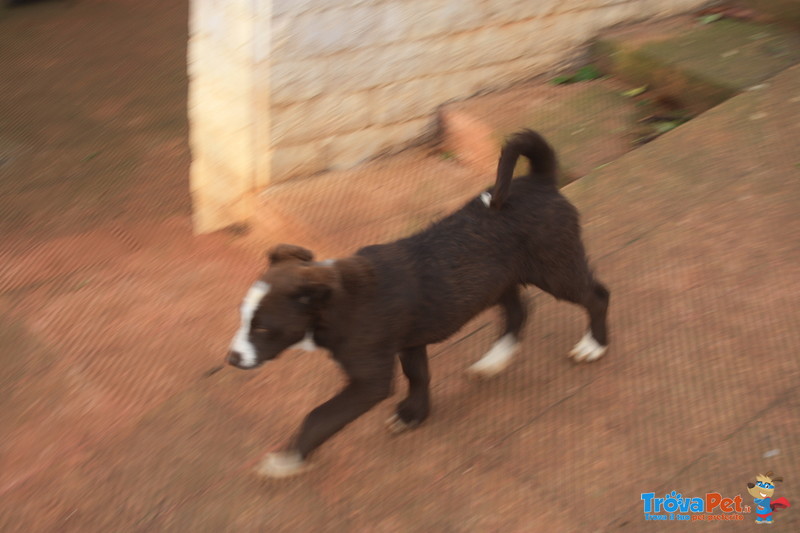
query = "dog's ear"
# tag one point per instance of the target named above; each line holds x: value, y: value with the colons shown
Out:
x: 316, y: 287
x: 288, y: 252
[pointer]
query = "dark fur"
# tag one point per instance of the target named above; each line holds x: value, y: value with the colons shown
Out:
x: 401, y: 296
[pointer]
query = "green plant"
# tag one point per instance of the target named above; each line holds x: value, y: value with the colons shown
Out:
x: 586, y: 73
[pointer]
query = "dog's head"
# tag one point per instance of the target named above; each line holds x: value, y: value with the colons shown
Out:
x: 279, y: 309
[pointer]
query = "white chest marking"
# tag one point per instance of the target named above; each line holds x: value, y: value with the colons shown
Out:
x: 307, y: 343
x: 241, y: 341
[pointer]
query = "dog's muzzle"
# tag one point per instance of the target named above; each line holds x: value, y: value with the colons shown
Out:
x: 234, y: 359
x: 241, y: 361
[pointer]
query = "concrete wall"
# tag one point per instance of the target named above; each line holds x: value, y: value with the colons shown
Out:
x: 224, y: 114
x: 286, y: 88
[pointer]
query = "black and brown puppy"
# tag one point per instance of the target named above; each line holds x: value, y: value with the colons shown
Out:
x: 401, y: 296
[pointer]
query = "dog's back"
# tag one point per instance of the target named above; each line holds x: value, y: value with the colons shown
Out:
x: 462, y: 264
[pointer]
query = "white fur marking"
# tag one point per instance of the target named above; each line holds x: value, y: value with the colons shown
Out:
x: 396, y: 425
x: 282, y: 464
x: 588, y: 349
x: 497, y: 358
x: 486, y: 198
x: 241, y: 341
x: 307, y: 343
x: 327, y: 262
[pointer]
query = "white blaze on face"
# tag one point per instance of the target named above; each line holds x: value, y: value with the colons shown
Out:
x: 241, y: 342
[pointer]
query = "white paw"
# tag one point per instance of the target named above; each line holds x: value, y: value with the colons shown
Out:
x: 282, y: 464
x: 486, y: 198
x: 396, y: 425
x: 588, y: 349
x: 496, y: 359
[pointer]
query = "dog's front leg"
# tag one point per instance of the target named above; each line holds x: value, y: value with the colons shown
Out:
x: 414, y: 409
x: 358, y: 397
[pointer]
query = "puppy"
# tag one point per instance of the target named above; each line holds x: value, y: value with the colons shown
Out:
x: 397, y: 298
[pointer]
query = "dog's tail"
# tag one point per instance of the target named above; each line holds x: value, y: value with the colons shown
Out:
x: 539, y: 153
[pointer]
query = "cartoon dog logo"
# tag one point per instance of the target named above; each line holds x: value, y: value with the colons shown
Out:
x: 762, y: 491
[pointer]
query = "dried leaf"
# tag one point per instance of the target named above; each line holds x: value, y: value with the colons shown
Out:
x: 630, y: 93
x: 708, y: 19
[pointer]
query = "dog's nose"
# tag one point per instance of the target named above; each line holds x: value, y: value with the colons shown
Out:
x: 234, y: 358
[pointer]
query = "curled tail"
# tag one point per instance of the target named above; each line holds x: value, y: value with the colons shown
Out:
x: 539, y: 153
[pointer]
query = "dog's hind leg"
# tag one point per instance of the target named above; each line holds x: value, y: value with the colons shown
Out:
x: 414, y: 409
x: 594, y: 343
x: 502, y: 351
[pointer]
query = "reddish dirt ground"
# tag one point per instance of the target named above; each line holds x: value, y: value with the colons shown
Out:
x: 113, y: 317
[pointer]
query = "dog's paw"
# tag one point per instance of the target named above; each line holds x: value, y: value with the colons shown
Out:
x: 396, y: 425
x: 281, y: 465
x: 587, y: 350
x: 496, y: 359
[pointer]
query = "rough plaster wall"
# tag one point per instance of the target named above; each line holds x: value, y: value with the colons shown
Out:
x: 352, y: 78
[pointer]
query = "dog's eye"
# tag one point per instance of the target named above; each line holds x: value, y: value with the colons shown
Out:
x: 264, y: 332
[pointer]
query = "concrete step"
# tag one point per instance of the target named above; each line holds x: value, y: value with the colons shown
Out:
x: 658, y: 76
x: 695, y: 66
